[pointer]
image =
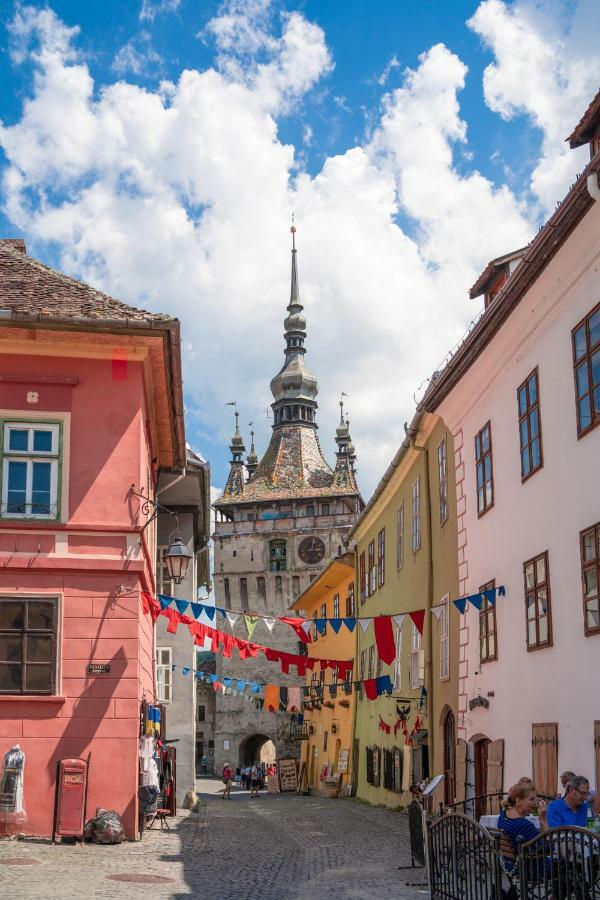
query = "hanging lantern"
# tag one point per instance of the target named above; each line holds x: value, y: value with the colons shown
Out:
x: 177, y: 558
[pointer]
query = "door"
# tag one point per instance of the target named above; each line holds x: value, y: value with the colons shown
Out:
x: 495, y: 767
x: 449, y: 758
x: 544, y: 743
x: 481, y: 773
x: 461, y: 770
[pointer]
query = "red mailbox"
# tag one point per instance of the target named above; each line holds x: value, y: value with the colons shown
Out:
x: 71, y: 796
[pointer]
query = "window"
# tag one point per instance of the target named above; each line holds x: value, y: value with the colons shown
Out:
x: 315, y: 633
x: 261, y: 589
x: 325, y: 509
x: 27, y: 646
x: 400, y: 536
x: 537, y: 602
x: 381, y: 558
x: 164, y: 674
x: 234, y: 553
x: 30, y: 471
x: 336, y: 606
x: 416, y: 516
x: 325, y: 736
x: 362, y: 577
x: 369, y: 765
x: 310, y: 510
x: 530, y: 426
x: 483, y: 464
x: 398, y: 661
x: 295, y: 586
x: 388, y: 770
x: 278, y: 589
x: 417, y: 659
x: 445, y: 639
x: 488, y: 638
x: 590, y: 577
x: 324, y: 616
x: 244, y: 593
x: 372, y: 569
x: 277, y: 556
x: 252, y: 556
x: 226, y: 591
x: 363, y: 664
x: 202, y: 714
x: 443, y: 479
x: 586, y: 362
x: 371, y: 661
x: 350, y: 602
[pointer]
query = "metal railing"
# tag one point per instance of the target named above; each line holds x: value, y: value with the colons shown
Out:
x: 562, y: 864
x: 463, y: 860
x: 484, y: 805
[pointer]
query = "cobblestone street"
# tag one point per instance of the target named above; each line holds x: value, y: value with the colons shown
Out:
x: 279, y: 847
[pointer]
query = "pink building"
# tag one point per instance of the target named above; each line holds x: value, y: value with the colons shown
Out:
x: 521, y: 396
x: 91, y: 404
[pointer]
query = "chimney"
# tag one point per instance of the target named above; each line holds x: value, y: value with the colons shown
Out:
x: 15, y: 243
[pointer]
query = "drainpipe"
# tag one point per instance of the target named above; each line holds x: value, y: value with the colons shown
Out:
x: 592, y: 186
x: 411, y: 433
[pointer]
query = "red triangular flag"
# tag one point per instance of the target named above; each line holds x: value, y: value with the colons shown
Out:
x: 384, y: 636
x: 418, y: 618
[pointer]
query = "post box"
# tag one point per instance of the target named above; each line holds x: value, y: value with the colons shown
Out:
x: 70, y: 799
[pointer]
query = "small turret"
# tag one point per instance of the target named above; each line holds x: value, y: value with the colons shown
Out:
x: 344, y: 474
x: 252, y: 458
x: 235, y: 479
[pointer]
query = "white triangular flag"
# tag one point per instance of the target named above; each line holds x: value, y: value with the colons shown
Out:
x: 306, y: 626
x: 270, y: 622
x: 364, y: 624
x: 232, y: 618
x: 437, y: 612
x: 399, y: 620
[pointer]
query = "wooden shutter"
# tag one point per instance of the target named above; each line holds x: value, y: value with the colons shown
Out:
x: 544, y: 741
x: 495, y: 766
x: 597, y: 753
x: 461, y: 770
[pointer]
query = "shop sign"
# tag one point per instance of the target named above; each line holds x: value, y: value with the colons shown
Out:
x: 98, y: 668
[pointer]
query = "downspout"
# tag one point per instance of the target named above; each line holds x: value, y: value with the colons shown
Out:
x: 411, y: 434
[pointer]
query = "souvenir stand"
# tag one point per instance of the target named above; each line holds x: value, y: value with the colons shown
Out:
x: 157, y: 759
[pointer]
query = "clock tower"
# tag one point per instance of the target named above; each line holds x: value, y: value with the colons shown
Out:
x: 279, y: 522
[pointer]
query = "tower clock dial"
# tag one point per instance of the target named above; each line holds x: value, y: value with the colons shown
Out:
x: 311, y: 550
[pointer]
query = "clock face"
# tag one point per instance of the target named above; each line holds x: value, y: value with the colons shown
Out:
x: 311, y: 550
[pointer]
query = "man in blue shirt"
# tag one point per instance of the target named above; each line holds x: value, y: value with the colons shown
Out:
x: 572, y: 808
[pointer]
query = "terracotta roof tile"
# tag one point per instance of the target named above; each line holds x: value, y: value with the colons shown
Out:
x: 586, y: 125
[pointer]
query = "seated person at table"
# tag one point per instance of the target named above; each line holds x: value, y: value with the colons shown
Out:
x: 565, y: 778
x: 513, y: 819
x: 572, y: 808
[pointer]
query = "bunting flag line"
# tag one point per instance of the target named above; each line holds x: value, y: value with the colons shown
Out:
x: 436, y: 612
x: 250, y: 622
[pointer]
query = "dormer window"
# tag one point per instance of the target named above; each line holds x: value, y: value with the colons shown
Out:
x: 495, y: 288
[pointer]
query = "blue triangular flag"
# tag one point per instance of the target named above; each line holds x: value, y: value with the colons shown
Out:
x: 227, y: 682
x: 213, y: 678
x: 490, y: 596
x: 475, y: 599
x: 255, y: 688
x: 241, y: 685
x: 460, y: 604
x: 320, y: 625
x: 164, y: 601
x: 384, y: 684
x: 182, y: 605
x: 336, y: 624
x: 199, y: 676
x: 185, y: 670
x: 350, y: 624
x: 221, y: 611
x: 501, y: 591
x: 196, y: 610
x: 210, y: 612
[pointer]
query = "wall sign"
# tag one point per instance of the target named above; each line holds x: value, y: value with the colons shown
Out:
x: 479, y: 701
x: 98, y: 668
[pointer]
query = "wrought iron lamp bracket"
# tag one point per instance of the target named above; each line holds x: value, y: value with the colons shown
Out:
x: 149, y: 505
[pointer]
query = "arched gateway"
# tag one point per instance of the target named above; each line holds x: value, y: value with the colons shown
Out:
x: 256, y: 748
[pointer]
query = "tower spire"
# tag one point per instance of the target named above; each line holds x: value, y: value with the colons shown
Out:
x: 252, y: 458
x: 344, y: 475
x: 235, y: 479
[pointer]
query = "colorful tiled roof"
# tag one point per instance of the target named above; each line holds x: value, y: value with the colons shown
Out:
x: 32, y: 290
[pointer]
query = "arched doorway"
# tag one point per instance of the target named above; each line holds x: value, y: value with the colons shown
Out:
x: 449, y: 745
x: 250, y: 748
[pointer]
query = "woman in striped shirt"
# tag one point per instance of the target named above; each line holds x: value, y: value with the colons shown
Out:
x: 513, y: 819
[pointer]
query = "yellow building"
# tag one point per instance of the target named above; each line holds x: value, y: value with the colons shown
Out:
x: 329, y: 709
x: 406, y: 559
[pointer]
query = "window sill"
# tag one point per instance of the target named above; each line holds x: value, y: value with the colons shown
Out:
x: 32, y: 698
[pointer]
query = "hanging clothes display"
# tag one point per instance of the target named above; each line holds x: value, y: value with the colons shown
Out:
x: 11, y: 783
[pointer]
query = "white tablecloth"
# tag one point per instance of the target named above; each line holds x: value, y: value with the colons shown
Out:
x: 492, y: 821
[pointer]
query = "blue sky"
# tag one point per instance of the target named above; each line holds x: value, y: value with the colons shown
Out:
x: 415, y: 140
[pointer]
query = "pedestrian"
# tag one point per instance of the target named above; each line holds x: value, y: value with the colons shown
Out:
x: 227, y: 773
x: 254, y: 781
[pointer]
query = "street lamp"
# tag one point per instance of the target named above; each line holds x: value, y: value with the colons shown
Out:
x: 177, y: 556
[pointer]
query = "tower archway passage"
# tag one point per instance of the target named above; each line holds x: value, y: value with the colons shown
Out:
x: 252, y: 747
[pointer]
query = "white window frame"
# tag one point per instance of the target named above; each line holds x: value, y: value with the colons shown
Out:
x: 164, y: 669
x: 416, y: 515
x: 443, y: 479
x: 417, y: 659
x: 29, y: 457
x: 398, y: 661
x: 371, y: 661
x: 400, y: 536
x: 445, y: 639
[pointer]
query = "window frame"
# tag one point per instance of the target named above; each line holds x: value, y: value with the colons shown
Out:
x: 324, y: 616
x: 442, y: 457
x: 168, y: 668
x: 537, y: 586
x: 480, y: 458
x: 350, y: 602
x: 590, y: 565
x: 525, y: 418
x: 400, y: 537
x: 487, y: 612
x: 23, y: 633
x: 416, y: 515
x: 278, y: 563
x: 336, y: 606
x: 590, y: 350
x: 398, y: 661
x: 372, y: 570
x: 445, y: 638
x: 417, y: 659
x: 54, y: 457
x: 371, y: 661
x: 362, y: 573
x: 381, y: 558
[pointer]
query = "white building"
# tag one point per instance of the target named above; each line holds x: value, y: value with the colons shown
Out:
x: 522, y: 398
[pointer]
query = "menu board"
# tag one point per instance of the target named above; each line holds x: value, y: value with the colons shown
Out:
x: 272, y: 784
x: 342, y: 765
x: 288, y: 778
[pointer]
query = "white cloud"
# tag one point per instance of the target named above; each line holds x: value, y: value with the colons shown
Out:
x: 546, y: 67
x: 307, y: 135
x: 137, y: 56
x: 179, y: 199
x: 391, y: 64
x: 150, y: 9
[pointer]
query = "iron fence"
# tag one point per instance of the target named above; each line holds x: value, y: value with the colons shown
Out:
x: 464, y: 860
x: 483, y: 805
x: 562, y: 864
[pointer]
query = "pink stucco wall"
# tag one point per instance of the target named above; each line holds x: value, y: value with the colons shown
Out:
x: 82, y: 561
x: 546, y: 512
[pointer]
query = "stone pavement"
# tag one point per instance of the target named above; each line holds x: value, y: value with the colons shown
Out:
x: 279, y: 847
